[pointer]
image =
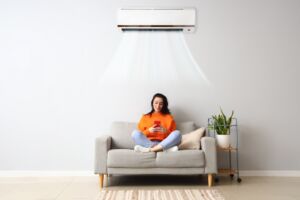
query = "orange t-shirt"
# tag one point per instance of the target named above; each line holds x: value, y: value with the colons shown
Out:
x: 165, y: 121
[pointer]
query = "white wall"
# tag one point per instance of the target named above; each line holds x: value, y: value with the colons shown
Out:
x: 52, y: 53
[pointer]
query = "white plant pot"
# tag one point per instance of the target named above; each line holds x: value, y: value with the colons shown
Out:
x: 223, y: 141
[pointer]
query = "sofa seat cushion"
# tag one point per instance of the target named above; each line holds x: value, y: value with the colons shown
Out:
x: 129, y: 158
x: 182, y: 158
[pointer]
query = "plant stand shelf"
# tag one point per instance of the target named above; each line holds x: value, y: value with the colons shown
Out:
x: 231, y: 154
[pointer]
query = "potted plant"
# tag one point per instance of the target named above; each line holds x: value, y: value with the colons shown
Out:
x: 221, y: 125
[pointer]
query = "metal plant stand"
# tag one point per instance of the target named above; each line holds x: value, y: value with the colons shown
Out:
x: 232, y: 164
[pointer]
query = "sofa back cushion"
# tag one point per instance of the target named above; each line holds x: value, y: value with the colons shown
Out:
x: 186, y: 127
x: 121, y: 133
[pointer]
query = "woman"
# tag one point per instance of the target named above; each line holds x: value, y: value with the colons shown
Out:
x: 156, y: 130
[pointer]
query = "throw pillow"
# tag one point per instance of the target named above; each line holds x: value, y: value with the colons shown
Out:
x: 192, y: 140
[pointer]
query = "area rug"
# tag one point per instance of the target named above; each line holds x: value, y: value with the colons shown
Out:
x: 171, y: 194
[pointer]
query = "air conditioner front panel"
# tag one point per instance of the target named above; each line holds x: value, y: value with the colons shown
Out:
x: 156, y: 18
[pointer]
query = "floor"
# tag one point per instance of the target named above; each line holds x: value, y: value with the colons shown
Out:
x: 86, y: 188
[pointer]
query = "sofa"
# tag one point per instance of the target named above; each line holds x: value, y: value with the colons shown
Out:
x: 114, y: 155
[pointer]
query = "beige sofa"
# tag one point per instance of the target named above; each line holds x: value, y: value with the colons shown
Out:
x: 114, y: 155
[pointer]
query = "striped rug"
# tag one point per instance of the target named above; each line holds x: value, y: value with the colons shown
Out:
x: 181, y: 194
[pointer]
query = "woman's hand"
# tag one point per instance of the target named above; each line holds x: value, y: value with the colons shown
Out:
x: 162, y: 129
x: 154, y: 129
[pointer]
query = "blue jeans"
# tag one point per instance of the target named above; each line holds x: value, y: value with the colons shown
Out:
x: 173, y: 139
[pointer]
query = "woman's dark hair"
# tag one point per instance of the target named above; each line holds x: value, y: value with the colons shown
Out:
x: 165, y: 109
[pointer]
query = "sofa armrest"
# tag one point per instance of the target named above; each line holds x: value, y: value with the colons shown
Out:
x: 102, y: 146
x: 208, y: 145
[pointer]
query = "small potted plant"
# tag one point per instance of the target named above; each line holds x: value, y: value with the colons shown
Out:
x: 221, y: 125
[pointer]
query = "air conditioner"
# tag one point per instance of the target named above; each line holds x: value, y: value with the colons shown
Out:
x: 157, y: 19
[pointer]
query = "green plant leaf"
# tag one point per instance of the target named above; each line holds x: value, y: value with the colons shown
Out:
x: 221, y: 124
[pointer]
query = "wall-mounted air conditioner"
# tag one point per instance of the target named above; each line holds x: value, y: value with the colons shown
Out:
x: 158, y: 19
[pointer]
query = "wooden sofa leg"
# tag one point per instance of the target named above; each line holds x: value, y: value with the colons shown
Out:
x: 106, y: 180
x: 101, y: 176
x: 210, y: 180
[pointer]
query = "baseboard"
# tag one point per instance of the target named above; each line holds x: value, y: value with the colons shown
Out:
x: 284, y: 173
x: 32, y: 173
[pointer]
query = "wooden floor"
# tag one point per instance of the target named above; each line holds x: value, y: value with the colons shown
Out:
x: 87, y: 188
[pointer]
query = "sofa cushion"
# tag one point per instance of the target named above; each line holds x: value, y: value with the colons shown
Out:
x: 129, y: 158
x: 185, y: 127
x: 183, y: 158
x: 192, y: 140
x: 121, y: 135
